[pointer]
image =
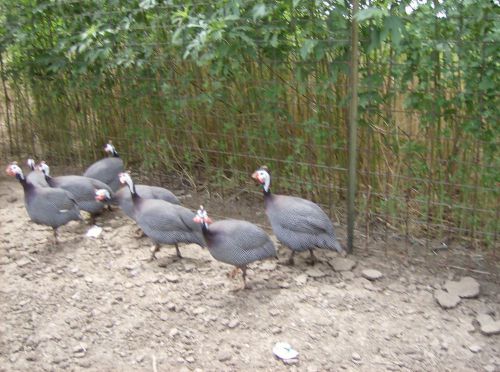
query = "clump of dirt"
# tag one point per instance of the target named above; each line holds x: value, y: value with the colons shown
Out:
x: 98, y: 304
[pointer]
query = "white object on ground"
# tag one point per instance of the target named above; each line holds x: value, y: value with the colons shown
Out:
x: 94, y: 232
x: 284, y: 351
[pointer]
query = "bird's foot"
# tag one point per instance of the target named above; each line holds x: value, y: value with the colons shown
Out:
x: 139, y: 233
x: 232, y: 274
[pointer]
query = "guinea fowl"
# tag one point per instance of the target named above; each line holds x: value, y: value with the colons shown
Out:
x: 124, y: 198
x: 36, y: 176
x: 298, y: 223
x: 163, y: 222
x: 82, y: 188
x: 235, y: 242
x: 46, y: 206
x: 107, y: 170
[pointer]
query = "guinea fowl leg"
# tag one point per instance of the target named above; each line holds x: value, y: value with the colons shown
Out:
x: 243, y: 275
x: 139, y: 233
x: 312, y: 258
x: 56, y: 240
x: 290, y: 261
x: 177, y: 250
x: 233, y: 273
x: 153, y: 253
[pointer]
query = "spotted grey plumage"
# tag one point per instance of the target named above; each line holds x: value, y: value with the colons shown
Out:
x: 35, y: 177
x: 107, y: 170
x: 52, y: 207
x: 235, y: 242
x: 298, y: 223
x: 164, y: 222
x: 123, y: 197
x: 82, y: 188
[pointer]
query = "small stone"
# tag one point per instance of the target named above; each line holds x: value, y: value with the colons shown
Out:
x: 342, y: 264
x: 23, y: 262
x: 488, y: 325
x: 190, y: 359
x: 284, y: 285
x: 164, y: 317
x: 224, y: 355
x: 275, y: 330
x: 140, y: 358
x: 291, y: 362
x: 356, y: 357
x: 171, y: 306
x: 173, y: 332
x: 315, y: 273
x: 80, y: 348
x: 172, y: 278
x: 446, y: 300
x: 475, y: 348
x: 199, y: 310
x: 467, y: 287
x: 301, y: 279
x: 233, y: 323
x: 371, y: 274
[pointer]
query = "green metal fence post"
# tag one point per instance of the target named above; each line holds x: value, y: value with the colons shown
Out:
x: 353, y: 125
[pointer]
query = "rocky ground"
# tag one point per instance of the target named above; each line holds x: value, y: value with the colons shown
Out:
x: 97, y: 304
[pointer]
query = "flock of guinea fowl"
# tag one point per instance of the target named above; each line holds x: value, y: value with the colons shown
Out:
x: 299, y: 224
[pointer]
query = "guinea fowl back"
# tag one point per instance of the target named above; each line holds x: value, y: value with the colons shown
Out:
x: 124, y: 197
x: 167, y: 223
x: 238, y: 242
x: 300, y: 224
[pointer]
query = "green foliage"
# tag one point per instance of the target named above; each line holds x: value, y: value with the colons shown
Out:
x: 226, y: 85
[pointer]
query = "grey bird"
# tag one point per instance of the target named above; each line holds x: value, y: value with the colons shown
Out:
x: 107, y: 170
x: 82, y: 188
x: 123, y: 197
x: 163, y: 222
x: 298, y: 223
x: 235, y: 242
x: 46, y: 206
x: 36, y: 176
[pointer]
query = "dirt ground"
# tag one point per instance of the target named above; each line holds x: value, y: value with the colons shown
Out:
x: 97, y: 304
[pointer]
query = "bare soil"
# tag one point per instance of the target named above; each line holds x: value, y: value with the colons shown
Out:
x: 99, y: 305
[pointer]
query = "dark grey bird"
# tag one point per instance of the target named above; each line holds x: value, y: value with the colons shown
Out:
x: 107, y: 170
x: 82, y: 188
x: 298, y: 223
x: 235, y: 242
x: 36, y: 176
x: 163, y: 222
x: 46, y: 206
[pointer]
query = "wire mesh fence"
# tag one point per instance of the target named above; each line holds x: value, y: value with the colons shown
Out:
x: 179, y: 94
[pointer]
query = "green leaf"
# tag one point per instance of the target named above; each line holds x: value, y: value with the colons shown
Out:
x: 370, y: 13
x: 307, y: 47
x: 259, y: 11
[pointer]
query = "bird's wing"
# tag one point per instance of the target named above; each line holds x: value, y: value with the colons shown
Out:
x: 302, y: 215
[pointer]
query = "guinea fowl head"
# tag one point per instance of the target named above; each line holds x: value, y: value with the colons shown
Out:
x: 125, y: 179
x: 15, y: 171
x: 110, y: 149
x: 31, y: 163
x: 102, y: 195
x: 263, y: 177
x: 44, y: 167
x: 202, y: 217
